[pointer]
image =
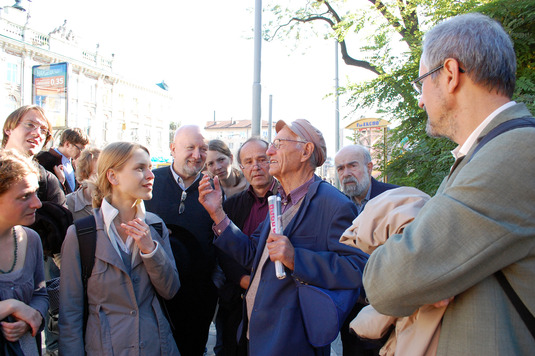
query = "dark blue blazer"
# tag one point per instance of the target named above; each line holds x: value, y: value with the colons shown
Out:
x: 276, y: 326
x: 380, y: 187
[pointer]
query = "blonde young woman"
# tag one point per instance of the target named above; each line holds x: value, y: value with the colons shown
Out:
x: 132, y: 265
x: 79, y: 202
x: 23, y: 297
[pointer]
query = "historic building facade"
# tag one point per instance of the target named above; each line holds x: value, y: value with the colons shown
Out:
x: 106, y: 105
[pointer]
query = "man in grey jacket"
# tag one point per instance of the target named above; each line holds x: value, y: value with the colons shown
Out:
x: 481, y: 219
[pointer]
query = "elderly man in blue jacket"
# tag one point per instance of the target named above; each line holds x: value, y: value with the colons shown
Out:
x: 314, y: 216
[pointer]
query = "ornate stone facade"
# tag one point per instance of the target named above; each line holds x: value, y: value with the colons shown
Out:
x: 108, y: 106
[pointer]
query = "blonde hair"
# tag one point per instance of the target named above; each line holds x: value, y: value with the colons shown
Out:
x: 14, y: 119
x: 113, y: 156
x: 84, y: 163
x: 14, y: 166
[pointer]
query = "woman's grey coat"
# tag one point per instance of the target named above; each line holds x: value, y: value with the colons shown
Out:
x: 125, y: 317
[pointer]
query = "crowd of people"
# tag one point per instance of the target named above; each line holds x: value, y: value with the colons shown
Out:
x: 154, y: 256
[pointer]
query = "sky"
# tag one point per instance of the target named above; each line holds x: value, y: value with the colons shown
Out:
x: 203, y: 50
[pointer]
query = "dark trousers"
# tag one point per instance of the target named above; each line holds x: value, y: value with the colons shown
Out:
x: 51, y: 338
x: 191, y: 312
x: 352, y: 345
x: 228, y: 319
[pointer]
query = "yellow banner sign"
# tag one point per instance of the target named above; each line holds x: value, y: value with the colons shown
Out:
x: 367, y: 124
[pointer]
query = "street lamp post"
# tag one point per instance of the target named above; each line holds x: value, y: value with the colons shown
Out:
x: 257, y: 88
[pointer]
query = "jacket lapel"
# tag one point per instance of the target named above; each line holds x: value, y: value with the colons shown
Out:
x: 301, y: 213
x: 104, y: 249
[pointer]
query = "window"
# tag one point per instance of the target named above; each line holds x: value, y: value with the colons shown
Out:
x: 13, y: 75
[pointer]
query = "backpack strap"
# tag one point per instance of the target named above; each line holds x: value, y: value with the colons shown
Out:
x: 86, y: 231
x: 520, y: 307
x: 502, y: 128
x: 158, y: 226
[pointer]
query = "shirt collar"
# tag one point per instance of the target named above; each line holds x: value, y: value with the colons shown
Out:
x: 462, y: 150
x: 297, y: 194
x: 64, y: 159
x: 269, y: 192
x: 363, y: 202
x: 109, y: 212
x: 179, y: 179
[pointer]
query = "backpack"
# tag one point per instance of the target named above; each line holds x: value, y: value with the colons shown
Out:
x: 86, y: 231
x: 51, y: 221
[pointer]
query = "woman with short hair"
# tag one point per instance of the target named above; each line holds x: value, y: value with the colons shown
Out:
x: 23, y: 296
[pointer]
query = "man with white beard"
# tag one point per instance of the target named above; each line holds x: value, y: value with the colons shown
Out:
x: 354, y: 167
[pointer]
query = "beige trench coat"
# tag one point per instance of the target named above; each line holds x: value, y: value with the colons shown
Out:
x: 125, y: 317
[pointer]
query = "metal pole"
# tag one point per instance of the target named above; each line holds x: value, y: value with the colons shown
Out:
x: 337, y: 108
x: 270, y: 121
x: 257, y: 88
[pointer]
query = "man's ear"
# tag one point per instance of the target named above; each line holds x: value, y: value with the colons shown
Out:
x: 369, y: 165
x: 451, y: 67
x: 308, y: 151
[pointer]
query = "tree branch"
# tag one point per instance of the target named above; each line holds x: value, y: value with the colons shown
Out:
x: 343, y: 47
x: 392, y: 20
x: 355, y: 62
x: 332, y: 24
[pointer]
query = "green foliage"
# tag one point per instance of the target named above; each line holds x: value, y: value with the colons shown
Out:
x: 518, y: 19
x: 389, y: 33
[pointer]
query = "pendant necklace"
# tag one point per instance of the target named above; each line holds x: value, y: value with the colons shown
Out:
x: 14, y: 254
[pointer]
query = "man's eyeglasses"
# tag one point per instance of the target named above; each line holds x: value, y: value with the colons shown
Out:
x: 182, y: 205
x: 276, y: 144
x: 31, y: 127
x: 260, y: 163
x: 79, y: 149
x: 417, y: 83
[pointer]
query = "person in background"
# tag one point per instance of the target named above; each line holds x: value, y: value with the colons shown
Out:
x: 27, y: 130
x: 133, y: 265
x: 247, y: 210
x: 176, y: 201
x: 219, y: 163
x: 354, y: 168
x: 477, y: 232
x: 23, y: 296
x: 314, y: 216
x: 80, y: 201
x: 60, y: 160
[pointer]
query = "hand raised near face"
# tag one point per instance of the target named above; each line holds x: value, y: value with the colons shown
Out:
x: 140, y: 232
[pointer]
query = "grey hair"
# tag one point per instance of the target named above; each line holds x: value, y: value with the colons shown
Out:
x: 365, y: 153
x: 312, y: 160
x: 251, y: 139
x: 482, y: 47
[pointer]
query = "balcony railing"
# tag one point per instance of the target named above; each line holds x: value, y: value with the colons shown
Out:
x: 37, y: 39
